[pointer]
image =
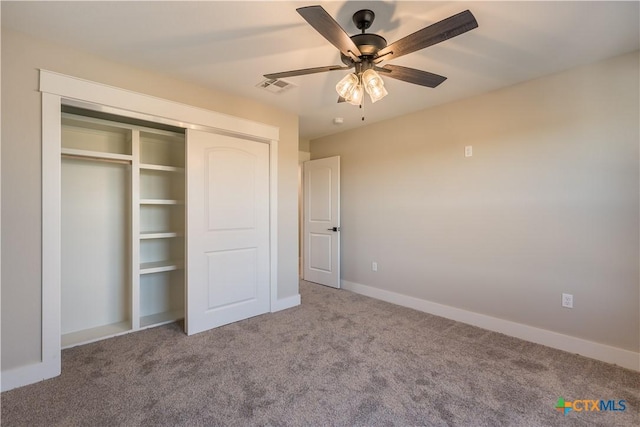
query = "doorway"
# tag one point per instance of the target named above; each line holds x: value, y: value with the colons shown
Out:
x: 321, y: 221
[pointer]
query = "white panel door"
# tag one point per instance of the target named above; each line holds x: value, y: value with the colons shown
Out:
x: 227, y: 230
x: 322, y: 221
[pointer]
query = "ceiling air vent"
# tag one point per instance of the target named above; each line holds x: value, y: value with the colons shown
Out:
x: 275, y: 85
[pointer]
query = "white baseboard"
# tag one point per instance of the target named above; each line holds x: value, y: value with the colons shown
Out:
x: 29, y: 374
x: 284, y: 303
x: 625, y: 358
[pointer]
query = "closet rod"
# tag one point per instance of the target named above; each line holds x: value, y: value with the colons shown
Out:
x: 96, y: 159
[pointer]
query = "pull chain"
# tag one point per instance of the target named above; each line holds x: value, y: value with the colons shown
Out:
x: 363, y: 97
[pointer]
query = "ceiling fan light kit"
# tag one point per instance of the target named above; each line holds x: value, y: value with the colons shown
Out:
x: 366, y: 50
x: 350, y: 87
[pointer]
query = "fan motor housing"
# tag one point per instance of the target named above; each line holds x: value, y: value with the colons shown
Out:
x: 368, y: 44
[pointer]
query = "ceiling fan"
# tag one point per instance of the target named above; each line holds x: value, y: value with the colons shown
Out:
x: 366, y: 50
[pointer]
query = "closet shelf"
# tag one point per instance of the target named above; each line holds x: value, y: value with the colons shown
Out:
x: 166, y: 235
x: 86, y: 336
x: 161, y: 318
x: 160, y: 266
x: 149, y: 166
x: 96, y: 155
x: 161, y: 202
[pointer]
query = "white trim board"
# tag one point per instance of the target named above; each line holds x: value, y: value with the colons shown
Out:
x: 74, y: 88
x: 625, y: 358
x: 285, y: 303
x: 24, y: 375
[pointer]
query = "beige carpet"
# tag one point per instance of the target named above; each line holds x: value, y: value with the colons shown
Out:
x: 339, y: 359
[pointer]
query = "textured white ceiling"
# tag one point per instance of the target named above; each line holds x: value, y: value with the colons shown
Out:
x: 229, y: 45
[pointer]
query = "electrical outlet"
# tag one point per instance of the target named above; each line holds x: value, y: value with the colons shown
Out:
x: 374, y: 266
x: 468, y: 151
x: 567, y: 300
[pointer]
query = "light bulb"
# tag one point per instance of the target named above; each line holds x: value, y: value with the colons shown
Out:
x: 346, y: 85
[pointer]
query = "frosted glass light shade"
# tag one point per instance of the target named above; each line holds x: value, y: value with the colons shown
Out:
x: 377, y: 93
x: 346, y: 85
x: 355, y: 97
x: 374, y: 85
x: 350, y: 89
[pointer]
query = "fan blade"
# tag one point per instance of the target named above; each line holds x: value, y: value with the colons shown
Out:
x: 411, y: 75
x: 305, y: 71
x: 341, y: 99
x: 323, y: 23
x: 433, y: 34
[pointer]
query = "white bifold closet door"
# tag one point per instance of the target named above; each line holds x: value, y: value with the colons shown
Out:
x: 228, y: 230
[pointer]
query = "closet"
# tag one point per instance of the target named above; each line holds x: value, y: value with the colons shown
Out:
x: 152, y: 211
x: 122, y: 226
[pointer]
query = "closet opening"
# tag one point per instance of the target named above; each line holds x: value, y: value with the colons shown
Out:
x: 122, y: 225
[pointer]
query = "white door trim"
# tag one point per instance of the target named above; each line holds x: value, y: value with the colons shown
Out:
x: 160, y: 110
x: 57, y: 90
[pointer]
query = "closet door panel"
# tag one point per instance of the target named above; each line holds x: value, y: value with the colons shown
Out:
x: 232, y: 277
x: 227, y: 230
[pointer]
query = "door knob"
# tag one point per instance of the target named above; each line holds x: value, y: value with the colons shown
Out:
x: 334, y: 229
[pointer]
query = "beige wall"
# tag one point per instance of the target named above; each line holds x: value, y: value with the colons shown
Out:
x: 21, y: 190
x: 549, y: 203
x: 304, y: 145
